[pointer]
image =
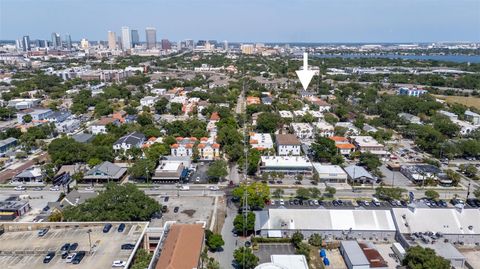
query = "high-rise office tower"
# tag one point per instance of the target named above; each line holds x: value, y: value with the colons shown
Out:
x: 26, y: 43
x: 112, y: 40
x: 189, y: 44
x: 135, y: 38
x: 126, y: 38
x: 225, y: 45
x: 151, y: 35
x: 68, y: 42
x: 166, y: 44
x: 56, y: 40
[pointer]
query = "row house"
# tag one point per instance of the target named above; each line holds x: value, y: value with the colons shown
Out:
x: 343, y: 146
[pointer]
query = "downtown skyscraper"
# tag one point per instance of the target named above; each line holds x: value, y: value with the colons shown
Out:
x: 56, y: 40
x: 112, y: 40
x: 26, y: 43
x: 68, y: 42
x: 151, y: 36
x: 135, y: 38
x: 126, y: 38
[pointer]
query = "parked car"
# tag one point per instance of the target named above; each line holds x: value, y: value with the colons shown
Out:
x: 73, y: 247
x: 38, y: 188
x: 107, y: 227
x: 282, y: 202
x: 65, y: 247
x: 49, y: 257
x: 54, y: 188
x: 20, y: 188
x: 175, y: 210
x: 119, y: 264
x: 121, y: 227
x: 127, y: 246
x: 65, y: 254
x: 70, y: 257
x: 79, y: 257
x: 42, y: 232
x: 166, y: 199
x: 442, y: 203
x: 164, y: 209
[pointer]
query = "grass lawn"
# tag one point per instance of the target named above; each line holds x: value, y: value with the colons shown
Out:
x: 468, y: 101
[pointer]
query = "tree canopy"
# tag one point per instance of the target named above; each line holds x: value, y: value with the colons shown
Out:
x: 424, y: 258
x: 116, y: 203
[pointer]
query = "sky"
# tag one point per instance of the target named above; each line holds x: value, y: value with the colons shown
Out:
x: 247, y: 20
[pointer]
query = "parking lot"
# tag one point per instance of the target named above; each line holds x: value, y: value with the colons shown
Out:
x: 266, y: 250
x: 190, y: 208
x: 26, y: 249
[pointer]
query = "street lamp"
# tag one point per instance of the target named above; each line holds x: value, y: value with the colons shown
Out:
x: 89, y: 239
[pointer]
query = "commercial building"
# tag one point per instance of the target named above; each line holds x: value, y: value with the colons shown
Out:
x: 453, y: 225
x: 105, y: 171
x: 166, y: 44
x: 368, y: 144
x: 135, y: 38
x: 285, y: 262
x: 12, y: 208
x: 332, y: 224
x: 247, y: 48
x: 170, y: 171
x: 7, y: 144
x: 126, y: 38
x: 26, y: 43
x: 31, y: 174
x: 330, y: 173
x: 151, y: 36
x: 288, y: 144
x: 418, y: 173
x: 286, y: 164
x: 411, y: 91
x: 182, y: 247
x: 22, y: 103
x: 358, y: 174
x: 261, y: 141
x: 36, y: 114
x: 361, y: 255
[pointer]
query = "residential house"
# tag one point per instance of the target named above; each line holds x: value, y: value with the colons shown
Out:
x: 267, y: 100
x: 252, y: 100
x: 343, y: 145
x: 261, y: 141
x: 302, y: 130
x: 31, y: 174
x: 183, y: 147
x: 148, y: 101
x: 409, y: 118
x: 105, y: 171
x: 450, y: 115
x: 323, y: 128
x: 351, y: 129
x: 67, y: 126
x: 285, y: 114
x: 322, y: 105
x: 129, y: 141
x: 83, y: 138
x: 100, y: 126
x: 288, y: 144
x: 58, y: 116
x: 472, y: 117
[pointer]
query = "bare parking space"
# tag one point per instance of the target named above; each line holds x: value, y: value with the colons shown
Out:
x: 190, y: 209
x: 25, y: 249
x: 266, y: 250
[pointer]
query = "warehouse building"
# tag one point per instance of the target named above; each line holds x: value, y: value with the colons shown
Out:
x: 332, y: 224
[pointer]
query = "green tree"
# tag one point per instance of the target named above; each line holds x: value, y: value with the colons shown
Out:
x: 424, y: 258
x: 315, y: 240
x: 369, y: 160
x: 453, y: 176
x: 257, y: 193
x: 297, y: 238
x: 142, y: 259
x: 142, y: 168
x: 155, y: 151
x: 303, y: 249
x: 145, y: 119
x: 268, y: 122
x: 215, y: 242
x: 302, y: 193
x: 323, y: 149
x: 278, y: 193
x: 432, y: 194
x: 176, y: 109
x: 116, y: 203
x: 27, y: 118
x: 314, y: 192
x: 389, y: 193
x: 330, y: 190
x: 476, y: 193
x: 217, y: 170
x: 244, y: 226
x: 244, y: 258
x: 161, y: 105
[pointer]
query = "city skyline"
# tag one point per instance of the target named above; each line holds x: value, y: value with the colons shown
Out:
x: 307, y: 21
